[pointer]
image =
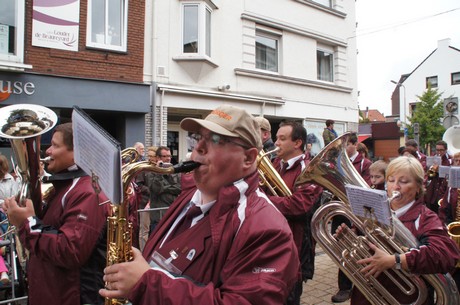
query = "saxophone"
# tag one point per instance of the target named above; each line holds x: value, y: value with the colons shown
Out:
x: 453, y: 228
x: 119, y: 229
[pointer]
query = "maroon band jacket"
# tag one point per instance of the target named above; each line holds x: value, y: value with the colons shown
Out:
x: 436, y: 253
x: 241, y: 252
x: 67, y: 247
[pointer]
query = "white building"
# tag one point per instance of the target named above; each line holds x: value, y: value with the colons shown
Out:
x: 285, y: 59
x: 441, y: 69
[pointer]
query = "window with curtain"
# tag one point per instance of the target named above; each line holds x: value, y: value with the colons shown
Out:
x: 267, y: 51
x: 325, y: 64
x: 107, y: 24
x: 196, y: 28
x: 12, y: 30
x: 432, y: 81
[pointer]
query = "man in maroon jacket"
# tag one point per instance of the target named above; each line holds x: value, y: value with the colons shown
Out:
x: 362, y: 166
x: 236, y: 249
x: 297, y: 209
x: 436, y: 186
x: 67, y: 245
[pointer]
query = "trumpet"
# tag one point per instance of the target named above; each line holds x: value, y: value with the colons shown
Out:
x: 269, y: 177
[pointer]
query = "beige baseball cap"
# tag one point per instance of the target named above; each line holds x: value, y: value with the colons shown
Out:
x: 263, y: 123
x: 228, y: 121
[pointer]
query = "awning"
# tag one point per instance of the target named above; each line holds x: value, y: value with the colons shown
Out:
x: 363, y: 137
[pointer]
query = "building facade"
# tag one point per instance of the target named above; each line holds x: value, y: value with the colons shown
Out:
x: 285, y: 60
x: 77, y: 52
x: 440, y: 70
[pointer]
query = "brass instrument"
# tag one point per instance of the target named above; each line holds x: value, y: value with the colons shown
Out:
x: 453, y: 228
x: 119, y: 229
x: 23, y: 125
x: 269, y: 177
x: 332, y: 169
x: 432, y: 172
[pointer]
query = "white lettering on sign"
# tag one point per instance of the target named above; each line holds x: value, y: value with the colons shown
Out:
x: 17, y: 87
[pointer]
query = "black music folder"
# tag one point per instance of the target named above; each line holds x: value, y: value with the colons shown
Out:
x: 98, y: 154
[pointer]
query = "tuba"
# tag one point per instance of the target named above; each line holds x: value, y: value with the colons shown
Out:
x: 269, y: 177
x: 23, y: 125
x: 119, y: 229
x: 332, y: 169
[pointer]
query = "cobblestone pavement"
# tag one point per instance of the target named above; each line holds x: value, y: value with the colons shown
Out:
x: 319, y: 290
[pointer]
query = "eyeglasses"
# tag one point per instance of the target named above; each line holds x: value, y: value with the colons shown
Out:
x: 442, y: 149
x: 216, y: 139
x: 165, y: 156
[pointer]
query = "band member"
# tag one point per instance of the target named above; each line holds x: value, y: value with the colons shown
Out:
x: 266, y: 136
x: 221, y: 242
x: 449, y: 203
x: 362, y: 166
x: 297, y: 209
x: 67, y: 246
x: 412, y: 146
x: 435, y: 185
x: 377, y: 174
x: 436, y: 253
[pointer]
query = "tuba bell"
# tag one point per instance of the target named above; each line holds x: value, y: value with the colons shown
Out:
x: 23, y: 125
x: 452, y: 137
x: 332, y: 169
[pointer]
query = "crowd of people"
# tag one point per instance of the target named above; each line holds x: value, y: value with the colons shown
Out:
x: 223, y: 239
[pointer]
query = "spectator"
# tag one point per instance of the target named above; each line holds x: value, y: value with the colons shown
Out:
x: 163, y: 188
x: 329, y: 134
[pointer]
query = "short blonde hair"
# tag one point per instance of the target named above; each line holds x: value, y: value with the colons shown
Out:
x: 410, y: 165
x: 379, y: 166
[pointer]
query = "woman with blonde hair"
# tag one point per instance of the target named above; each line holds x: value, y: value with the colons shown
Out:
x: 435, y: 253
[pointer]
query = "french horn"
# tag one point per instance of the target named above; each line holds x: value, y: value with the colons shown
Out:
x: 332, y: 169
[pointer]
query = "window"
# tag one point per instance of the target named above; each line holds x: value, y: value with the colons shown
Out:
x: 432, y: 82
x: 327, y: 3
x: 107, y: 24
x: 455, y: 78
x: 267, y: 51
x: 12, y: 31
x: 196, y: 32
x: 325, y: 65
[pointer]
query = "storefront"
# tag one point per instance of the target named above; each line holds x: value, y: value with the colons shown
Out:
x: 119, y: 108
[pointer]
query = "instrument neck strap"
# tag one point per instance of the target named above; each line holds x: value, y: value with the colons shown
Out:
x: 65, y: 176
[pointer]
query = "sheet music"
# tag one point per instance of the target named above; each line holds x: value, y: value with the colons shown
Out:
x: 454, y: 177
x: 443, y: 171
x: 430, y: 160
x: 97, y: 153
x: 362, y: 199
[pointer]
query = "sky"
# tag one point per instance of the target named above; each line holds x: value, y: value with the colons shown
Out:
x: 394, y: 37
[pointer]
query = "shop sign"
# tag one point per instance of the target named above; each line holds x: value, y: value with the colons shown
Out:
x: 15, y: 87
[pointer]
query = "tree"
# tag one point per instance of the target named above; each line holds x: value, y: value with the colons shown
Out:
x: 428, y: 113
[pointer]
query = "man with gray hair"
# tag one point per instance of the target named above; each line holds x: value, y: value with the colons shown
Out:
x: 266, y: 135
x: 222, y: 241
